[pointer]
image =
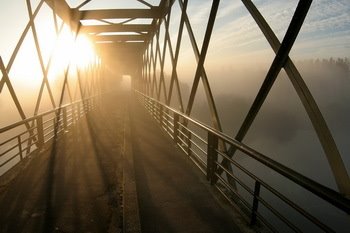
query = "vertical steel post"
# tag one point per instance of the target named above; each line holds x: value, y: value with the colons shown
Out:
x: 40, y: 130
x: 78, y: 109
x: 176, y: 128
x: 75, y: 114
x: 212, y: 157
x: 255, y: 203
x: 64, y: 113
x: 188, y: 141
x: 161, y: 114
x: 20, y: 146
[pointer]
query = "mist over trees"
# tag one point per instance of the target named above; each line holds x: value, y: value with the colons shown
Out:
x: 282, y: 128
x: 327, y: 79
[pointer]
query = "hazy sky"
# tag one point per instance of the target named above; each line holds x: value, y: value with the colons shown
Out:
x: 236, y: 40
x: 326, y: 32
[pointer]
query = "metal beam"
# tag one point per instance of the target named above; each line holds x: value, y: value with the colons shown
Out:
x: 119, y: 46
x: 213, y: 111
x: 156, y: 22
x: 175, y: 58
x: 145, y: 3
x: 19, y: 44
x: 117, y: 28
x: 153, y: 13
x: 68, y: 15
x: 334, y: 158
x: 83, y: 4
x: 12, y: 93
x: 121, y: 38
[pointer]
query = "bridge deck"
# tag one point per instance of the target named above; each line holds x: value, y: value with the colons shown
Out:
x: 77, y: 184
x: 173, y: 194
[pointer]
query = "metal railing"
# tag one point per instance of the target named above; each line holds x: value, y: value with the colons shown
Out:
x: 19, y: 141
x: 202, y: 144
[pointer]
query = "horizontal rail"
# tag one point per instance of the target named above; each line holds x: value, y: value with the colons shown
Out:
x: 328, y: 195
x: 43, y: 128
x: 30, y: 119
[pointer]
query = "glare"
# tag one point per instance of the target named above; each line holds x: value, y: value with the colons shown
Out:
x: 75, y: 52
x: 83, y: 52
x: 66, y: 50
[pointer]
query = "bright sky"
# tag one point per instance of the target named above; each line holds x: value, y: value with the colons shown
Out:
x: 326, y: 32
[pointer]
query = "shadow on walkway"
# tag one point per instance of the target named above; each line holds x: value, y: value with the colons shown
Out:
x: 75, y: 185
x: 173, y: 194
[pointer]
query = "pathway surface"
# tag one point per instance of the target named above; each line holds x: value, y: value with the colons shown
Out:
x: 74, y: 186
x: 173, y: 194
x: 115, y: 163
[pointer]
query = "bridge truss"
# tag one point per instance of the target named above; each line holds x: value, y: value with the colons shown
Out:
x: 123, y: 33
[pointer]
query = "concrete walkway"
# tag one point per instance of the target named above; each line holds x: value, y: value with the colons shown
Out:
x: 108, y: 173
x: 173, y: 195
x: 73, y: 186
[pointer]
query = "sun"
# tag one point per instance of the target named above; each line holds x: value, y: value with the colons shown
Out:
x: 70, y: 50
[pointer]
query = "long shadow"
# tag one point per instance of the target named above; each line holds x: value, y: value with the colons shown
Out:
x: 103, y: 141
x: 92, y: 144
x: 145, y: 198
x: 38, y: 198
x: 22, y: 199
x: 48, y: 225
x: 180, y: 178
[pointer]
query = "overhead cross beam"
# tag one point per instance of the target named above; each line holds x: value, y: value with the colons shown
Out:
x: 73, y: 17
x: 67, y: 14
x: 117, y: 28
x: 152, y: 13
x: 121, y: 38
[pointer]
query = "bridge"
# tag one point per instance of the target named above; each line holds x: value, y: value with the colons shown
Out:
x: 110, y: 122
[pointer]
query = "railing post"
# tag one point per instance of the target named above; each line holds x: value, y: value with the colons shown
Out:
x: 152, y: 109
x: 90, y: 105
x: 40, y: 129
x: 188, y: 141
x: 212, y: 157
x: 56, y: 122
x: 146, y: 103
x: 255, y: 203
x: 87, y: 106
x: 64, y: 113
x: 161, y: 114
x: 176, y: 128
x: 158, y: 112
x: 20, y: 146
x: 78, y: 108
x: 72, y: 108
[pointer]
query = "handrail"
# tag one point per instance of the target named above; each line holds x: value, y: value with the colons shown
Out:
x: 21, y: 122
x: 41, y: 132
x: 325, y: 193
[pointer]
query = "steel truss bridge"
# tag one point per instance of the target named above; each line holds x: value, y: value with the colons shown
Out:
x: 140, y: 50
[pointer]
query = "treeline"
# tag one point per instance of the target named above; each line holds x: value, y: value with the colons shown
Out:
x: 332, y: 64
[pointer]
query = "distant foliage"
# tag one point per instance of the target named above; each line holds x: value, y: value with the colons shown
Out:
x: 339, y: 67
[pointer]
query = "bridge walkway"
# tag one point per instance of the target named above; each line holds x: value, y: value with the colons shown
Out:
x: 114, y: 171
x: 173, y: 194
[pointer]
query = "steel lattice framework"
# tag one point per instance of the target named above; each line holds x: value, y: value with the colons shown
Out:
x: 36, y: 126
x: 153, y: 84
x: 147, y: 53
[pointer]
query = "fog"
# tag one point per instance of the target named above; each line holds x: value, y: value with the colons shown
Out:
x: 282, y: 129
